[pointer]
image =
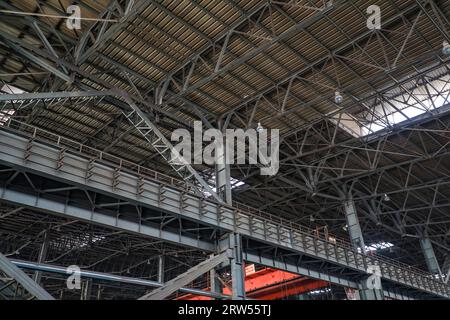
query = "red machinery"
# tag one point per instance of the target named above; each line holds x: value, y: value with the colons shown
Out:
x: 270, y: 284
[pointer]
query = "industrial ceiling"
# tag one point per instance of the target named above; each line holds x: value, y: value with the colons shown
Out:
x: 237, y: 64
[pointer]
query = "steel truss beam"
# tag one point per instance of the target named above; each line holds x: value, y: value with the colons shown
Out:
x: 73, y: 212
x: 409, y: 9
x: 219, y: 66
x: 365, y: 180
x: 17, y: 98
x: 129, y: 186
x: 18, y: 275
x: 184, y: 279
x: 370, y: 150
x: 327, y: 151
x: 140, y: 121
x: 412, y: 8
x: 35, y: 53
x: 101, y: 32
x: 164, y: 147
x: 280, y: 92
x: 101, y: 276
x: 345, y: 171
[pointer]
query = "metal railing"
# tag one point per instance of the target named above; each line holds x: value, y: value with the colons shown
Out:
x: 68, y: 144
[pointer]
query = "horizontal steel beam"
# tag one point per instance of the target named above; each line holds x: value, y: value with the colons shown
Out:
x: 187, y: 277
x: 119, y: 182
x: 38, y: 203
x: 54, y: 95
x: 313, y: 274
x: 23, y: 279
x: 109, y: 277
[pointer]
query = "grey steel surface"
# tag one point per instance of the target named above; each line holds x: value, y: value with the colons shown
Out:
x: 104, y: 177
x: 187, y: 277
x: 18, y: 275
x: 49, y: 268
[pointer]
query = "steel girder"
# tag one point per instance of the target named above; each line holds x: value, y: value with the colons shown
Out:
x: 101, y: 32
x: 140, y: 121
x: 20, y: 277
x: 184, y: 279
x: 280, y: 92
x: 50, y: 268
x: 125, y: 185
x: 164, y: 147
x: 409, y: 9
x: 74, y: 212
x: 377, y: 161
x: 352, y: 43
x: 220, y: 67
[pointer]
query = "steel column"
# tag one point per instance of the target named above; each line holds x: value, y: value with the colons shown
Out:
x: 161, y: 269
x: 42, y: 256
x: 354, y: 229
x: 430, y: 256
x: 237, y: 266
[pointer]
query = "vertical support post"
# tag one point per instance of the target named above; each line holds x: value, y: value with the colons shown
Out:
x: 223, y: 187
x: 223, y: 176
x: 42, y: 256
x: 237, y: 267
x: 371, y: 287
x: 99, y: 292
x: 354, y: 228
x: 430, y: 256
x: 161, y: 269
x: 86, y: 290
x: 369, y: 293
x: 216, y: 286
x: 446, y: 269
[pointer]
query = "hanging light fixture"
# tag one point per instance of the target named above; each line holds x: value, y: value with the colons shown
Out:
x: 338, y: 98
x: 446, y: 48
x: 260, y: 128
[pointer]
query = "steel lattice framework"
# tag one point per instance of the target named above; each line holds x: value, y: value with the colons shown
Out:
x: 140, y: 69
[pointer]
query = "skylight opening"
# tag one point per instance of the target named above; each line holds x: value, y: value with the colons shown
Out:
x: 6, y: 114
x: 320, y: 292
x: 85, y: 240
x: 375, y: 247
x: 235, y: 183
x: 398, y: 109
x: 379, y: 246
